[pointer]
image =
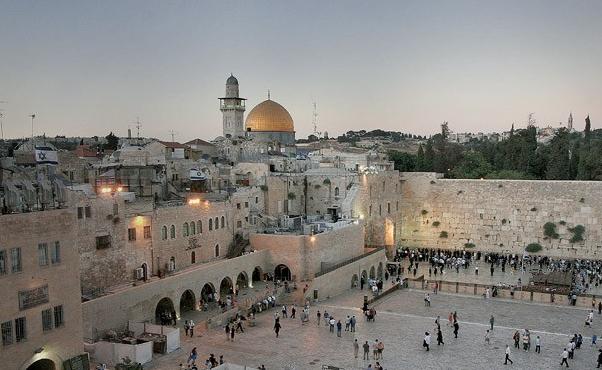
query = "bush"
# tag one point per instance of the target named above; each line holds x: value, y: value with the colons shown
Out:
x: 436, y: 223
x: 424, y: 212
x: 577, y: 233
x: 292, y: 196
x: 317, y: 186
x: 264, y: 187
x: 533, y: 248
x: 582, y: 200
x: 549, y: 230
x: 327, y: 182
x: 533, y: 209
x: 433, y: 182
x: 443, y: 234
x: 562, y: 222
x: 504, y: 221
x: 469, y: 245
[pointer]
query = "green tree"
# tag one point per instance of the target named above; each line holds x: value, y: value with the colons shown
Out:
x: 112, y: 141
x: 420, y: 165
x: 404, y: 162
x: 472, y: 166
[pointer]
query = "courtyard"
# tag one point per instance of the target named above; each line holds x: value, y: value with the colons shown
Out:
x: 401, y: 322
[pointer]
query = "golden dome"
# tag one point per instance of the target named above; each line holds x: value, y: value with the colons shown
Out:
x: 269, y: 116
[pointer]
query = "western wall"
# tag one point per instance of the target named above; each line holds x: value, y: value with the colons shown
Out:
x: 501, y: 215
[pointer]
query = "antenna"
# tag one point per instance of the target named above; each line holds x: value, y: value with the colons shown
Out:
x: 138, y: 125
x: 314, y: 120
x: 173, y: 133
x: 1, y: 119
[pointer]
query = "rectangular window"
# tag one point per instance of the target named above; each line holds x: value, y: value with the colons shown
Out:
x: 15, y: 259
x: 388, y: 207
x: 397, y: 206
x: 20, y: 329
x: 103, y: 242
x: 239, y: 224
x: 43, y: 254
x: 246, y: 204
x: 88, y: 211
x: 247, y: 219
x: 132, y: 234
x: 147, y: 232
x: 47, y: 320
x: 55, y: 255
x: 80, y: 212
x: 7, y: 333
x: 256, y: 200
x: 115, y: 209
x: 3, y: 262
x: 59, y: 319
x: 237, y: 205
x: 380, y: 210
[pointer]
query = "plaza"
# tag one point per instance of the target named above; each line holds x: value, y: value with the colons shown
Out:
x: 401, y: 322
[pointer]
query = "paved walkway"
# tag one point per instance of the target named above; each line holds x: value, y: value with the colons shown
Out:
x: 401, y: 322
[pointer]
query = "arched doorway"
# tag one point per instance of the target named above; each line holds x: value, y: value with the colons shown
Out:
x: 208, y: 293
x: 242, y: 281
x: 372, y: 273
x: 257, y: 274
x: 354, y: 281
x: 164, y: 312
x: 43, y: 364
x: 187, y: 301
x: 225, y: 287
x: 379, y: 271
x: 282, y: 273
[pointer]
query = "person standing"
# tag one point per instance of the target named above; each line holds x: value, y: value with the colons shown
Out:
x: 491, y: 321
x: 277, y: 327
x: 186, y: 327
x: 381, y: 348
x: 318, y: 315
x: 456, y: 329
x: 353, y: 322
x: 516, y: 338
x: 366, y: 347
x: 233, y: 331
x: 565, y: 356
x: 599, y: 307
x: 332, y: 323
x: 427, y: 341
x: 347, y: 323
x: 538, y: 344
x: 356, y: 348
x: 599, y: 358
x: 227, y: 331
x: 293, y: 311
x: 439, y: 337
x: 487, y: 337
x: 339, y: 326
x: 507, y: 358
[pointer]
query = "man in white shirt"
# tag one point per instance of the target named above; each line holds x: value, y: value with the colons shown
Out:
x: 565, y: 356
x: 508, y: 356
x: 427, y: 341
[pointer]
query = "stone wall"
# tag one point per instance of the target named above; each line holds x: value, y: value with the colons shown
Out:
x: 501, y: 215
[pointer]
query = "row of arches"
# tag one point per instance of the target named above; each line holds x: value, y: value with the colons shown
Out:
x: 193, y: 227
x: 374, y: 273
x: 188, y: 299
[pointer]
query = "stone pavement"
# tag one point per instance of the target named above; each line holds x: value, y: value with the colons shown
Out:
x: 401, y: 322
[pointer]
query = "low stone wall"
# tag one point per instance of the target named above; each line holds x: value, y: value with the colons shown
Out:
x: 584, y: 301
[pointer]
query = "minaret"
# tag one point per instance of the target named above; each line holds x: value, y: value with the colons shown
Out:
x: 570, y: 122
x: 233, y: 110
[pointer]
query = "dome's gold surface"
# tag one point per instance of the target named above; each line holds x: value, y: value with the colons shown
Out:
x: 269, y: 116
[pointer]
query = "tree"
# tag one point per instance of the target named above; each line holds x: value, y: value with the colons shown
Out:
x: 588, y: 127
x: 404, y: 162
x: 429, y: 155
x: 420, y: 166
x: 558, y: 166
x: 472, y: 166
x: 112, y: 141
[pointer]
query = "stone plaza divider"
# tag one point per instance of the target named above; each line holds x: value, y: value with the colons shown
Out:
x: 454, y: 287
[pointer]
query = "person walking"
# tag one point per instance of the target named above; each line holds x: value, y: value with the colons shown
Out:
x: 439, y: 337
x: 491, y: 321
x: 277, y: 327
x: 381, y: 348
x: 191, y: 328
x: 487, y: 338
x: 456, y: 328
x: 227, y: 329
x: 356, y: 348
x: 516, y: 338
x: 565, y: 356
x: 599, y: 358
x: 538, y: 344
x: 450, y: 319
x: 507, y: 358
x: 293, y: 311
x: 366, y: 347
x: 352, y: 323
x: 233, y: 331
x: 427, y: 341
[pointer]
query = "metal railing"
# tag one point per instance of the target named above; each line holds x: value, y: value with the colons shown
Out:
x: 344, y: 263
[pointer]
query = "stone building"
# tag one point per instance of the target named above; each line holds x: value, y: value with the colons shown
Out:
x: 40, y: 309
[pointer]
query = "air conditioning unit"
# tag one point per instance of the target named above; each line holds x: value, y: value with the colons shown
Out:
x: 139, y: 272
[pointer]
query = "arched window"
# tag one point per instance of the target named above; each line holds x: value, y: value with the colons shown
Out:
x: 336, y: 192
x: 223, y: 222
x: 199, y: 225
x: 216, y: 223
x: 210, y: 224
x: 192, y: 258
x: 217, y: 250
x: 192, y: 228
x: 172, y: 264
x: 172, y: 231
x: 164, y: 233
x: 185, y: 229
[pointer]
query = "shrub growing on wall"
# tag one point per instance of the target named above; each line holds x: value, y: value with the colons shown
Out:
x: 533, y: 248
x: 549, y: 230
x: 292, y: 196
x: 577, y: 233
x: 443, y: 234
x: 264, y: 187
x: 424, y: 212
x: 436, y: 223
x: 469, y: 245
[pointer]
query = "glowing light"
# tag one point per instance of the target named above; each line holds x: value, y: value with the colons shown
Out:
x: 194, y: 201
x: 105, y: 190
x: 139, y: 220
x: 313, y: 238
x: 119, y: 188
x: 361, y: 216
